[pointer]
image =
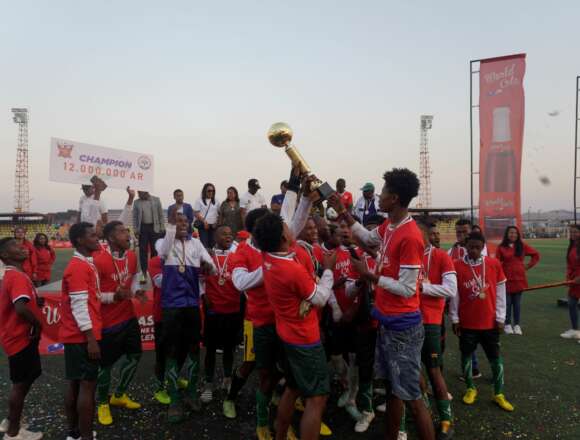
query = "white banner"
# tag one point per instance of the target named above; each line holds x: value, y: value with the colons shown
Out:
x: 75, y: 162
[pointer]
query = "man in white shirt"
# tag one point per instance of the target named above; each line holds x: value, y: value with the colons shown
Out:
x: 91, y: 208
x: 252, y: 199
x: 367, y: 205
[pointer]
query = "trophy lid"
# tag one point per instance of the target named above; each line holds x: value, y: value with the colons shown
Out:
x: 280, y: 134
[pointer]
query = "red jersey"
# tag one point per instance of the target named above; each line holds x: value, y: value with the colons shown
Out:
x: 30, y: 264
x: 80, y: 276
x: 573, y: 271
x: 436, y: 263
x: 457, y: 252
x: 513, y: 266
x: 15, y: 331
x: 116, y: 273
x: 402, y: 247
x: 155, y: 269
x: 475, y: 312
x: 258, y: 308
x: 343, y: 269
x: 315, y: 253
x: 346, y: 199
x: 45, y: 259
x: 223, y: 295
x: 303, y: 257
x: 288, y: 284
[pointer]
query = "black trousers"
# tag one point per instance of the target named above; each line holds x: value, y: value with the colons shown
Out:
x: 147, y: 239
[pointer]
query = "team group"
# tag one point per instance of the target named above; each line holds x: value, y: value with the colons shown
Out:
x: 360, y: 293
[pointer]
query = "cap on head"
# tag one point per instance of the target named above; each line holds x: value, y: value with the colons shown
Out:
x: 368, y: 187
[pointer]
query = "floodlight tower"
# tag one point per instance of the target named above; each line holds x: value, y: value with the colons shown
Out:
x: 424, y: 200
x: 21, y: 191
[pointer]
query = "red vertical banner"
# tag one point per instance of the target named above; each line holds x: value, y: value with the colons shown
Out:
x: 501, y: 128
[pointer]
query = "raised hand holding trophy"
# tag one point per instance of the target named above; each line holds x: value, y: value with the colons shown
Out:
x: 280, y: 135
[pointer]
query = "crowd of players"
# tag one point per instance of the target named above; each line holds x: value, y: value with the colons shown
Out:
x: 366, y: 299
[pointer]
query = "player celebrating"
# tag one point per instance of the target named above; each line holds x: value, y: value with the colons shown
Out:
x: 121, y: 333
x: 184, y: 258
x: 478, y: 315
x: 400, y: 336
x: 223, y: 320
x: 439, y: 284
x: 20, y: 330
x: 289, y: 284
x: 80, y: 331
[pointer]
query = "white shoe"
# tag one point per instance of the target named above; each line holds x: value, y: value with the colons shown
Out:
x: 382, y: 408
x: 402, y: 436
x: 24, y: 434
x: 5, y: 424
x: 363, y: 424
x: 508, y: 330
x: 68, y: 437
x: 568, y: 334
x: 518, y: 330
x: 207, y: 394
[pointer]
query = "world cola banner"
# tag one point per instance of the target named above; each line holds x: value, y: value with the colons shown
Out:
x: 501, y: 128
x: 76, y: 162
x: 49, y: 343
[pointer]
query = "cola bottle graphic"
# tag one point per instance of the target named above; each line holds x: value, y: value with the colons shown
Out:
x: 500, y: 166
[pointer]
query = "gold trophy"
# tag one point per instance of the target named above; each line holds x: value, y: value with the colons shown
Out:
x: 280, y: 135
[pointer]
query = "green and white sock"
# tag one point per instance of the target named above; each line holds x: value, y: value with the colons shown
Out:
x: 103, y: 385
x: 127, y: 372
x: 497, y: 371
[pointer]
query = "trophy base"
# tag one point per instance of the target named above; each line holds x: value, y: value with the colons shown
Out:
x: 323, y: 192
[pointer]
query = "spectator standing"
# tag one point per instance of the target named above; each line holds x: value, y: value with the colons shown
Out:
x: 149, y: 224
x: 278, y: 199
x: 45, y: 257
x: 29, y: 266
x: 230, y: 212
x: 368, y: 204
x: 345, y: 196
x: 252, y: 199
x: 206, y: 210
x: 91, y: 208
x: 512, y: 252
x: 182, y: 208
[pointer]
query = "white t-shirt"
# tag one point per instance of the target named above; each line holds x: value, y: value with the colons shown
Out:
x: 91, y: 210
x: 250, y: 201
x: 212, y: 210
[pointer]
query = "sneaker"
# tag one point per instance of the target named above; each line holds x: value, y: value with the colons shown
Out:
x: 518, y: 330
x: 445, y: 431
x: 363, y: 424
x: 508, y: 330
x: 207, y: 393
x: 124, y: 401
x: 353, y: 411
x: 502, y: 402
x: 162, y: 397
x: 263, y: 433
x: 104, y: 414
x: 470, y: 396
x: 325, y: 430
x: 229, y: 408
x: 24, y: 434
x: 6, y: 423
x: 402, y: 436
x: 382, y: 408
x: 569, y: 334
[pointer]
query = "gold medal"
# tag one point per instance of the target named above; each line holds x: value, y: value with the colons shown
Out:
x: 221, y: 281
x: 482, y: 295
x: 181, y: 269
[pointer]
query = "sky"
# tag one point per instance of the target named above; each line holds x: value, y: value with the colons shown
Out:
x: 197, y: 84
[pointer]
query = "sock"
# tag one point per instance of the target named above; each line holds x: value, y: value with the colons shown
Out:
x: 127, y: 372
x: 171, y: 374
x: 403, y: 425
x: 103, y: 385
x: 262, y: 408
x: 467, y: 371
x: 352, y: 377
x: 192, y: 371
x: 365, y: 396
x: 497, y: 371
x: 237, y: 384
x: 444, y: 410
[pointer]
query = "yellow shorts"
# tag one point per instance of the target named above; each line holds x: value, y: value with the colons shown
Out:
x: 249, y: 354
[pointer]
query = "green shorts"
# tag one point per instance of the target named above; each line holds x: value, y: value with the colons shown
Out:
x: 78, y: 366
x: 307, y: 370
x: 126, y: 340
x: 266, y: 347
x: 431, y: 354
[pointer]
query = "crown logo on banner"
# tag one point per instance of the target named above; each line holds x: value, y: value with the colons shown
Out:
x: 65, y: 150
